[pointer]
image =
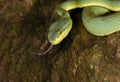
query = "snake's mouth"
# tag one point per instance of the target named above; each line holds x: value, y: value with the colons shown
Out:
x: 56, y: 38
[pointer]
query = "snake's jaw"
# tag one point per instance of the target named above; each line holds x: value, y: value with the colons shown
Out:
x: 59, y: 30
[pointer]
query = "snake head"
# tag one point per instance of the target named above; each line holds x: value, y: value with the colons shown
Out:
x: 59, y: 30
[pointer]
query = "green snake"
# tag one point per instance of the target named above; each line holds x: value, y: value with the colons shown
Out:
x: 97, y: 19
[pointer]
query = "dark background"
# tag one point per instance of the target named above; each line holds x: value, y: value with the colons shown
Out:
x: 81, y: 57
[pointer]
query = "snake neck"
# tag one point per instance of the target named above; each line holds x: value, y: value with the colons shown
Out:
x: 62, y: 12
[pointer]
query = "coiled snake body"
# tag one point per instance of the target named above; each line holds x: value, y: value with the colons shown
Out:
x: 94, y: 16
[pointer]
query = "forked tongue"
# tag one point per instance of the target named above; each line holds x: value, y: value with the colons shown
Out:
x: 46, y: 51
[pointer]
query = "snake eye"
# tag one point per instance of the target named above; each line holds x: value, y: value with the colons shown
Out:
x: 59, y: 32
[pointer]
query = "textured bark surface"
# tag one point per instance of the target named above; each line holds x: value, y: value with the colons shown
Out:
x: 81, y: 57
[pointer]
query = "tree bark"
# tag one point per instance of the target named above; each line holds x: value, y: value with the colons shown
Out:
x: 80, y: 57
